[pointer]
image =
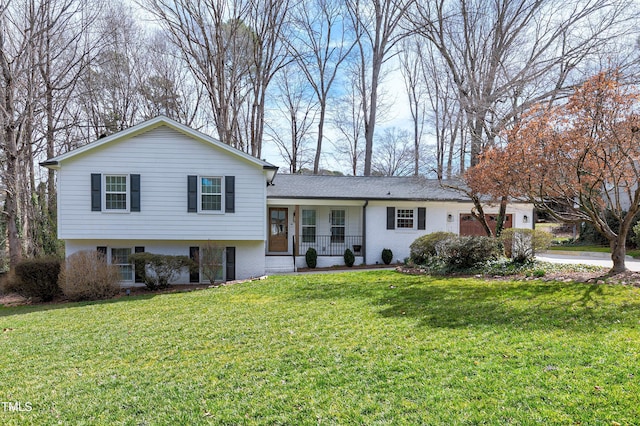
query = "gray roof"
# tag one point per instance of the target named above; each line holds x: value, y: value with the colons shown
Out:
x: 409, y: 188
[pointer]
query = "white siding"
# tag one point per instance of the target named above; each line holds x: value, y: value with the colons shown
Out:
x: 250, y: 261
x: 398, y: 240
x: 163, y: 158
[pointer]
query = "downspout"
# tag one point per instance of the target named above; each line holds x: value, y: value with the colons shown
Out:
x: 364, y: 232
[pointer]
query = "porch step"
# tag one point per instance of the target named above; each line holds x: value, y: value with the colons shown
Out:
x: 278, y: 264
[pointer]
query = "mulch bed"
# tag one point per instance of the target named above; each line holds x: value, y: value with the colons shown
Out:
x: 601, y: 277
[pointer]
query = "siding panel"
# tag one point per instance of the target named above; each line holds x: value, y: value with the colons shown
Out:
x: 163, y: 158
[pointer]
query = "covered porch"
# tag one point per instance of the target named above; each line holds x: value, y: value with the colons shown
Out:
x: 328, y: 227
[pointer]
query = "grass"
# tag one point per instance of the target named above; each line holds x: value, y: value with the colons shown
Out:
x: 351, y: 348
x: 635, y: 253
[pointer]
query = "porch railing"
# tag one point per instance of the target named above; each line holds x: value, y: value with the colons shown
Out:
x: 326, y: 245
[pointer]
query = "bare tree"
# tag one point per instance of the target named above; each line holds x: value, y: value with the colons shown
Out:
x: 297, y: 107
x: 377, y: 27
x: 443, y: 113
x: 505, y: 56
x: 394, y: 153
x: 349, y: 124
x: 320, y: 48
x: 411, y: 57
x: 167, y: 87
x: 233, y: 48
x: 110, y: 91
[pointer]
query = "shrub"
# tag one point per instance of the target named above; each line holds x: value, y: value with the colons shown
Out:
x: 159, y: 270
x: 210, y: 260
x: 424, y: 247
x: 462, y: 253
x: 38, y: 278
x: 589, y: 234
x: 86, y: 276
x: 387, y: 256
x: 311, y: 256
x: 521, y: 244
x: 349, y: 258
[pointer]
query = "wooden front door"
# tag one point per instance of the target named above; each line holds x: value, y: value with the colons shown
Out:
x: 278, y: 229
x: 470, y: 226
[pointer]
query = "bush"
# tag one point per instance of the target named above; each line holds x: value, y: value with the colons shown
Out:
x: 87, y: 276
x: 521, y: 244
x: 311, y: 256
x: 589, y: 234
x: 387, y: 256
x: 210, y: 260
x: 159, y: 270
x: 349, y: 258
x: 37, y: 278
x: 463, y: 253
x: 424, y: 247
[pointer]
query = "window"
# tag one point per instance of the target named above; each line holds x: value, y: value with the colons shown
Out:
x: 338, y: 221
x: 211, y: 194
x: 308, y: 226
x: 120, y: 258
x: 404, y: 219
x: 115, y: 192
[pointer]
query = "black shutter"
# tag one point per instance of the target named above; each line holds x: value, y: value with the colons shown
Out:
x: 102, y: 251
x: 135, y: 192
x: 194, y: 273
x: 391, y: 218
x: 96, y: 192
x: 230, y: 194
x: 231, y: 264
x: 139, y: 278
x: 422, y: 218
x: 192, y: 194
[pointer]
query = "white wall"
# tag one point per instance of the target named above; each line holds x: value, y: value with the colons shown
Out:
x: 163, y: 158
x: 399, y: 240
x: 250, y: 261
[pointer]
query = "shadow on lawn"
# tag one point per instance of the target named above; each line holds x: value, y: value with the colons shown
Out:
x: 42, y: 307
x: 461, y: 302
x: 527, y: 306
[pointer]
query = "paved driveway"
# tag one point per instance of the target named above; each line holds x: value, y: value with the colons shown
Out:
x: 587, y: 258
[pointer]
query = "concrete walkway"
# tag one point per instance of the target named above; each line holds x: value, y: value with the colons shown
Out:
x: 586, y: 258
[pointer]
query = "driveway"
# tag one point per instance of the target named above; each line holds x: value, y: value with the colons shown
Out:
x: 587, y: 258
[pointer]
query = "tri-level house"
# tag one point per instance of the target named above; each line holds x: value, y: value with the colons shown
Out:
x: 165, y: 188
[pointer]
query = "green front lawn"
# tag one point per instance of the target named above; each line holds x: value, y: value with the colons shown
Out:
x: 350, y: 348
x: 635, y: 253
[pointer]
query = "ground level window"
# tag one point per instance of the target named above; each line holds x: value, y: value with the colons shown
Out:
x: 405, y: 218
x: 308, y: 226
x: 120, y: 258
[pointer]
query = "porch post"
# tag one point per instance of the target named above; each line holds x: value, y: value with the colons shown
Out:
x: 364, y: 232
x: 296, y: 215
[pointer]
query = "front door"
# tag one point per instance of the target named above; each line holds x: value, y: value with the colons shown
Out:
x: 278, y: 231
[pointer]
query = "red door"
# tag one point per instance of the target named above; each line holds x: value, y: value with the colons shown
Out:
x: 470, y: 226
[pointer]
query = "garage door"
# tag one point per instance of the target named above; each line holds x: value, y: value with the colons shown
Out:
x: 470, y: 226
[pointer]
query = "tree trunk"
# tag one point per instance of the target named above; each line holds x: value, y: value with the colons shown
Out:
x: 316, y: 161
x: 502, y: 214
x: 618, y: 253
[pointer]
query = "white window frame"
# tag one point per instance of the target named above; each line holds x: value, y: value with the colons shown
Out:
x: 399, y: 218
x: 127, y: 199
x: 314, y: 226
x: 120, y: 265
x: 343, y: 226
x: 200, y: 194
